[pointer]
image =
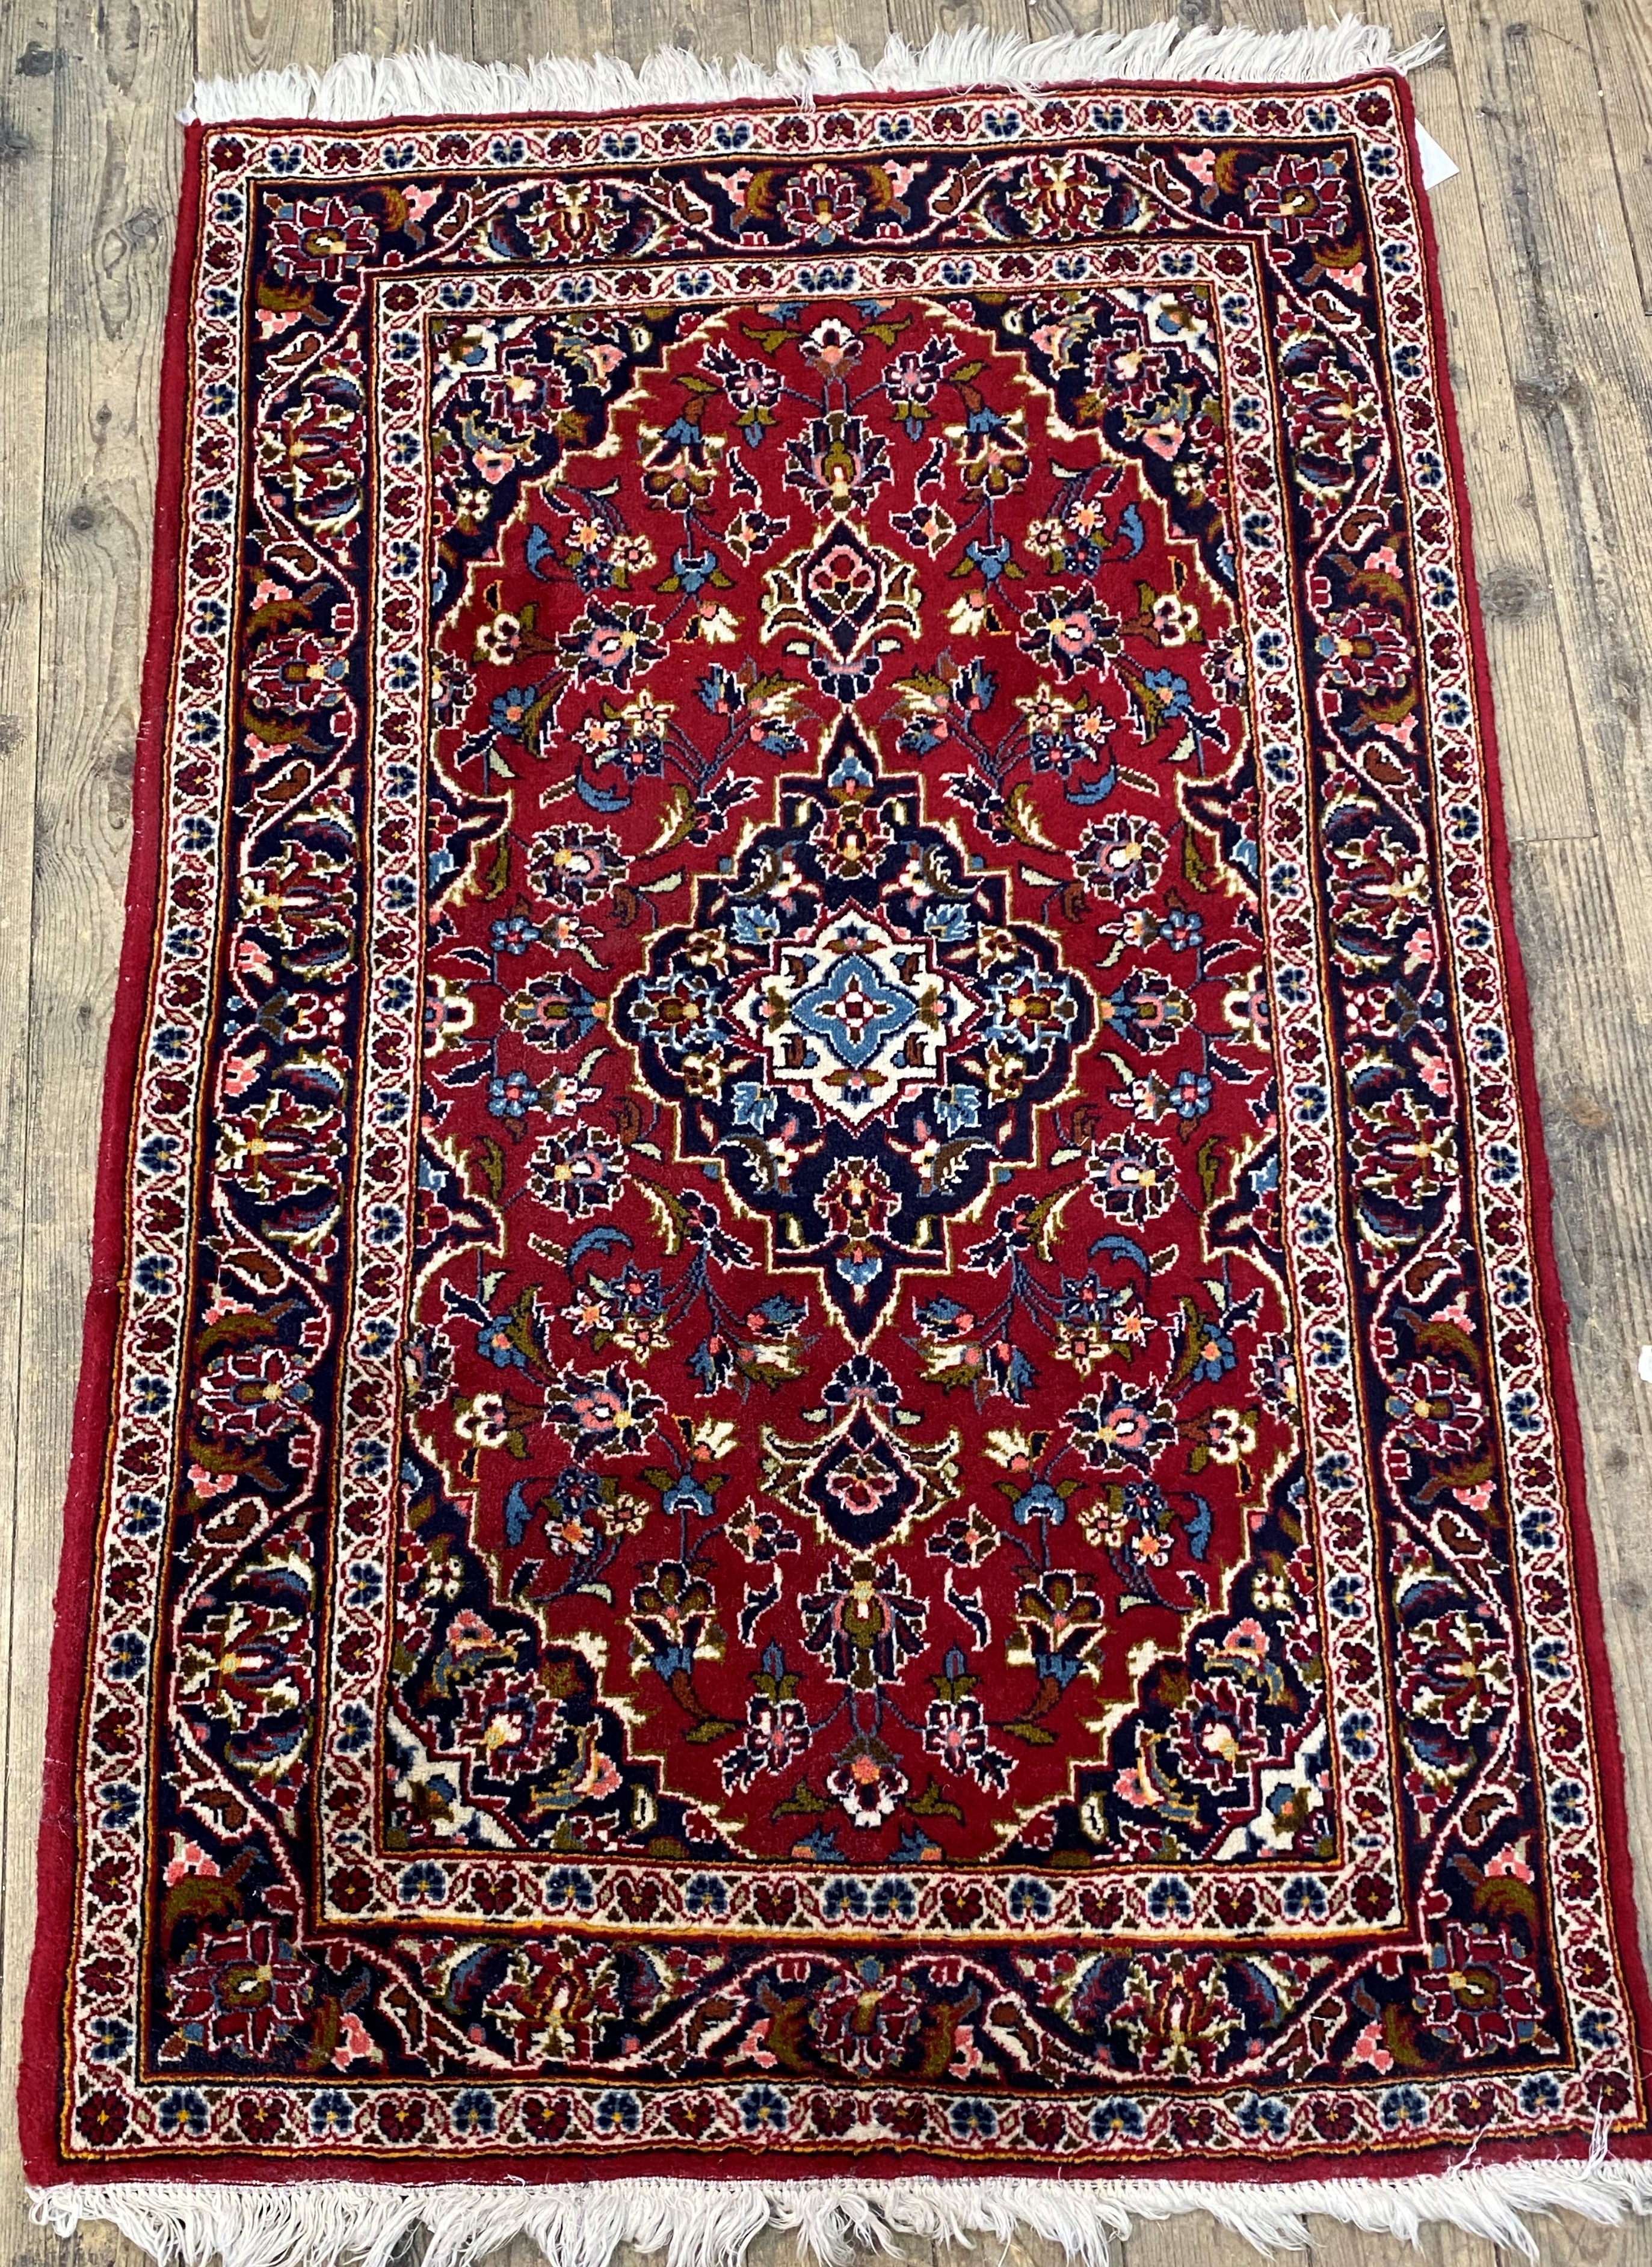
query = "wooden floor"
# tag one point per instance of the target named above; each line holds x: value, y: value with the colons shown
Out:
x: 1545, y: 247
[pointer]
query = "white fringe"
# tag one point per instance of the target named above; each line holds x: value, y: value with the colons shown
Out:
x: 425, y: 83
x: 713, y: 2223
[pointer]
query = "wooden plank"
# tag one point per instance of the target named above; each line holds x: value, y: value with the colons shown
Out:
x: 1621, y: 52
x: 27, y: 134
x: 120, y: 76
x: 1197, y: 2242
x: 1565, y: 2242
x: 1193, y: 2240
x: 390, y: 27
x: 1594, y: 1071
x: 863, y: 24
x: 1579, y: 362
x: 516, y: 31
x: 1275, y: 15
x: 713, y: 29
x: 1190, y: 2240
x: 1336, y: 2244
x: 1049, y: 17
x: 915, y: 20
x: 1539, y: 732
x: 233, y: 37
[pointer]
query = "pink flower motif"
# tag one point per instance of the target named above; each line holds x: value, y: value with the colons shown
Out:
x: 245, y: 1991
x: 324, y: 238
x: 822, y: 205
x: 252, y: 1392
x: 1300, y: 198
x: 1478, y: 1992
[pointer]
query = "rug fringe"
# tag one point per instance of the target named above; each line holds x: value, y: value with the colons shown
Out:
x: 425, y: 83
x: 713, y: 2223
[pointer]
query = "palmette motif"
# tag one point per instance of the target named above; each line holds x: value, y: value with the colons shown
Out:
x: 832, y: 1431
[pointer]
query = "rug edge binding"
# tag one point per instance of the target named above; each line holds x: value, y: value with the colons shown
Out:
x: 713, y: 2223
x: 358, y: 88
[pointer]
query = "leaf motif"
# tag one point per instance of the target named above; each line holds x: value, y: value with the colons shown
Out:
x: 517, y: 1513
x: 598, y: 1239
x: 1208, y: 1164
x: 676, y: 823
x: 598, y: 798
x: 491, y: 1157
x: 668, y: 1215
x: 712, y: 1727
x: 1022, y: 818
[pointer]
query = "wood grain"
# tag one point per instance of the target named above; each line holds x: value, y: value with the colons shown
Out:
x: 863, y: 24
x: 1544, y: 772
x: 233, y: 37
x: 27, y: 132
x: 1199, y: 2242
x: 1545, y: 248
x: 1620, y: 49
x: 516, y: 31
x: 114, y: 155
x: 390, y: 27
x: 916, y: 19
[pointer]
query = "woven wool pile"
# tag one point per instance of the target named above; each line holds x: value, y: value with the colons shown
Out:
x: 824, y: 1471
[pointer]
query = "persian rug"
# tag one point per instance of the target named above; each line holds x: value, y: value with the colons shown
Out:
x: 825, y: 1467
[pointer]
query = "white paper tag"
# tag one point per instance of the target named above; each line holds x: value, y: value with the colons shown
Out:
x: 1436, y: 166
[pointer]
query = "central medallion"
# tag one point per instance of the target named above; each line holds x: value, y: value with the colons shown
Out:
x: 852, y: 1032
x: 852, y: 1017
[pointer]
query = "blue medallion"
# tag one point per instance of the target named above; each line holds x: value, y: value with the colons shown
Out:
x: 854, y: 1030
